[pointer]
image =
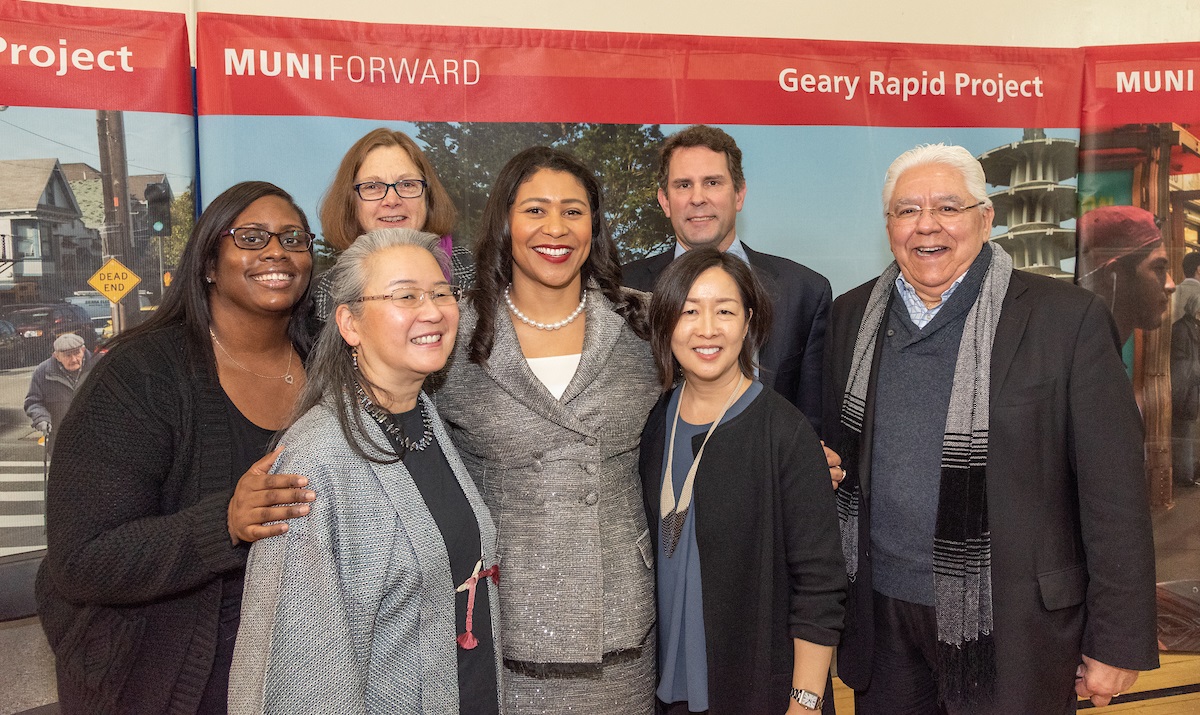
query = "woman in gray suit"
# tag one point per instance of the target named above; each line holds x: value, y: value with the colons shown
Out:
x: 545, y: 401
x: 380, y: 601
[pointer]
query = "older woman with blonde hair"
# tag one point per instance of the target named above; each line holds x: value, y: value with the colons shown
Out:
x: 386, y: 181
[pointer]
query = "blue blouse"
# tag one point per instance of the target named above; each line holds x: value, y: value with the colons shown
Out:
x: 682, y: 659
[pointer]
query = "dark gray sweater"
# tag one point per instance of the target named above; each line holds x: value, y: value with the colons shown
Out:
x: 916, y: 373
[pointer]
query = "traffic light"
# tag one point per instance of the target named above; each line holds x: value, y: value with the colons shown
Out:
x: 158, y: 208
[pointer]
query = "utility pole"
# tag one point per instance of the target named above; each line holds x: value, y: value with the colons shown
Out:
x: 114, y: 178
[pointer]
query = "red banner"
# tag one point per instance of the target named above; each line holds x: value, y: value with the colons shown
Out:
x: 283, y: 66
x: 1141, y: 84
x: 88, y: 58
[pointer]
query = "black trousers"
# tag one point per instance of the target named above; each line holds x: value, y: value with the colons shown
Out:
x: 904, y: 671
x: 903, y: 667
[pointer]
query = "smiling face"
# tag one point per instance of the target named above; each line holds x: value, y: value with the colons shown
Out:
x: 399, y: 347
x: 934, y: 251
x: 708, y: 338
x: 267, y: 281
x: 700, y: 199
x: 390, y: 164
x: 551, y: 225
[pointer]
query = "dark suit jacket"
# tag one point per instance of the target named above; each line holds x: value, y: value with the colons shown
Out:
x: 791, y: 359
x: 1072, y: 551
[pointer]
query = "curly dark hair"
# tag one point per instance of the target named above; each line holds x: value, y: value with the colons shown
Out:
x: 493, y: 251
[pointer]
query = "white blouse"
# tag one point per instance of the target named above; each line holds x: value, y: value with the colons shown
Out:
x: 555, y: 372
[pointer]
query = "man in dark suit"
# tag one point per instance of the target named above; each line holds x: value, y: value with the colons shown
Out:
x: 701, y: 188
x: 995, y: 521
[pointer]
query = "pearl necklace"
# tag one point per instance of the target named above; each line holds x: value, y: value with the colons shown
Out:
x: 544, y: 326
x: 286, y: 376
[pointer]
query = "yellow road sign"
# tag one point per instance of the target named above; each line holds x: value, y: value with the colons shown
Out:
x: 114, y: 280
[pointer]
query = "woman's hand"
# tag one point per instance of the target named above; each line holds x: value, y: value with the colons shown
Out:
x: 261, y: 497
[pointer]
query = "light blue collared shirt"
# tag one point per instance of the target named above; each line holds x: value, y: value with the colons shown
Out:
x: 917, y: 311
x: 735, y: 249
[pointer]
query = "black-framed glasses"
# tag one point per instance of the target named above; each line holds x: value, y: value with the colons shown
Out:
x: 256, y: 239
x: 413, y: 297
x: 942, y: 213
x: 376, y: 190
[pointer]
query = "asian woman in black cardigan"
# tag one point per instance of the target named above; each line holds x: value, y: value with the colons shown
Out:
x: 751, y: 582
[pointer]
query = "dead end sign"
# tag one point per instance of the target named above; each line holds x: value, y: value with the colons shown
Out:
x: 114, y: 280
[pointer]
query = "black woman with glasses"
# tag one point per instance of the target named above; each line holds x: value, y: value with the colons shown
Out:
x: 386, y: 181
x: 140, y: 592
x: 383, y: 599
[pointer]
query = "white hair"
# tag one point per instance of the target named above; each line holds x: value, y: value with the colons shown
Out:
x: 955, y: 157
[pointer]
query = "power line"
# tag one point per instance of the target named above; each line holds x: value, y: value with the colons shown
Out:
x: 90, y: 152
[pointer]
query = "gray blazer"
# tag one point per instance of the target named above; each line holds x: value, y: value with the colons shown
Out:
x: 352, y: 610
x: 561, y: 479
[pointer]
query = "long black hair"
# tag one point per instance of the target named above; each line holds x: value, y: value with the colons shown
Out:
x: 187, y: 300
x: 493, y: 251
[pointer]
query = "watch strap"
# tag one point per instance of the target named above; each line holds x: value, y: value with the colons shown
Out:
x: 807, y: 699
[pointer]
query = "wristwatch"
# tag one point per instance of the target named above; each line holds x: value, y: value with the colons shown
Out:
x: 807, y: 699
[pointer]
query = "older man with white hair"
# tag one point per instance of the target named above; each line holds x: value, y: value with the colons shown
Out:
x: 995, y: 520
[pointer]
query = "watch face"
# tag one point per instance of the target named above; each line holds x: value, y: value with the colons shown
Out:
x: 807, y: 699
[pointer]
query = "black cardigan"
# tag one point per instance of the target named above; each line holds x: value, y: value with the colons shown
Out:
x: 770, y: 554
x: 130, y: 590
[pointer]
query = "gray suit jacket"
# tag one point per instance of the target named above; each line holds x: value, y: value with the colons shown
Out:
x: 561, y: 479
x: 352, y: 611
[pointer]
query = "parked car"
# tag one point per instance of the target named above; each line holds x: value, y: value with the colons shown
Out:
x: 100, y: 309
x: 39, y: 324
x: 12, y: 353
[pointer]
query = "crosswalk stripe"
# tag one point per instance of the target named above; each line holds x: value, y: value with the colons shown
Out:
x: 20, y: 496
x: 21, y: 520
x: 37, y: 464
x: 22, y: 477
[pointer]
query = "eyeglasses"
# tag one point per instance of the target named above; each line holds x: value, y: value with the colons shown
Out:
x: 412, y: 297
x: 256, y: 239
x: 376, y: 190
x: 942, y: 213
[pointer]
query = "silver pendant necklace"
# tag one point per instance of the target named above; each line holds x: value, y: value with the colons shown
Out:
x: 286, y: 376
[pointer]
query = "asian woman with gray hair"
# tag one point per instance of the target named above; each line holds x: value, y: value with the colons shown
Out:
x: 379, y: 601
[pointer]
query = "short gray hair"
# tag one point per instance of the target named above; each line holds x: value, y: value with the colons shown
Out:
x: 955, y: 157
